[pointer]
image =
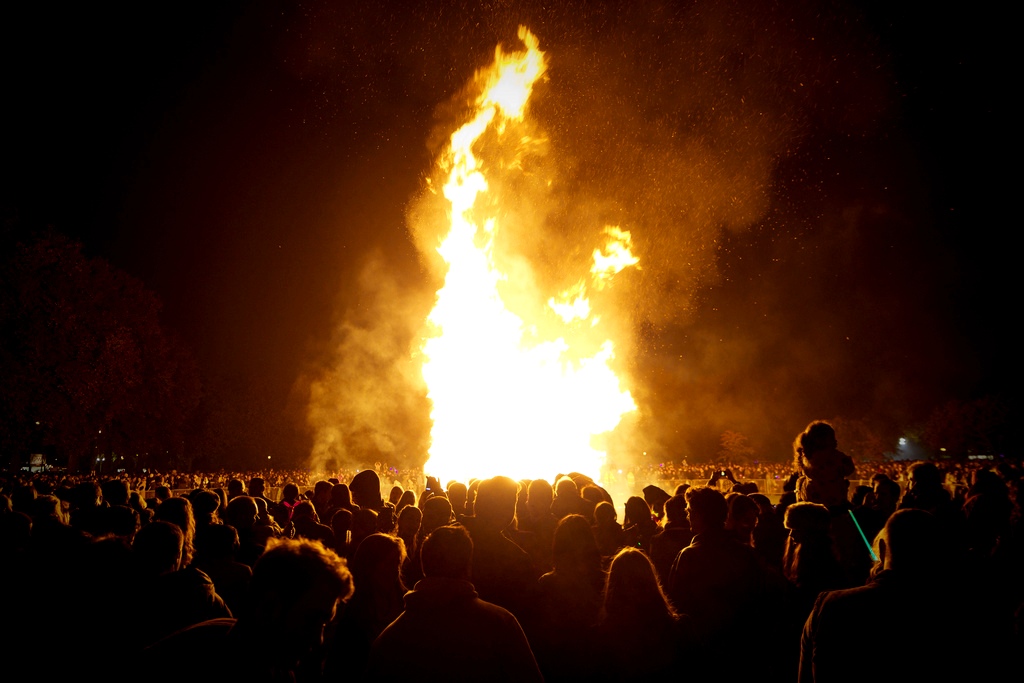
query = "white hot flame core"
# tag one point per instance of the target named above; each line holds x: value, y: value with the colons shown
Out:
x: 502, y: 402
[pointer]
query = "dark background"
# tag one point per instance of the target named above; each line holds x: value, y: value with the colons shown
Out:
x: 831, y: 236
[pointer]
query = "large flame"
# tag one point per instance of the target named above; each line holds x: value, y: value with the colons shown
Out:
x: 505, y: 402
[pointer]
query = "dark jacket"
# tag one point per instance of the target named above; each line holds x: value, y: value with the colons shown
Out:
x: 447, y: 633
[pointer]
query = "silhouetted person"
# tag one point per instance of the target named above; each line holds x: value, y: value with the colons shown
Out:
x: 931, y: 635
x: 242, y: 513
x: 925, y: 490
x: 257, y: 489
x: 235, y: 488
x: 716, y: 579
x: 567, y: 499
x: 742, y: 517
x: 437, y: 512
x: 639, y: 525
x: 296, y: 587
x: 447, y: 633
x: 655, y: 497
x: 824, y: 469
x: 769, y: 535
x: 457, y: 494
x: 639, y: 636
x: 376, y: 602
x: 365, y: 489
x: 675, y: 536
x: 884, y: 498
x: 283, y: 511
x: 502, y: 571
x: 537, y: 524
x: 216, y: 549
x: 608, y: 532
x: 566, y: 603
x: 180, y: 596
x: 307, y: 525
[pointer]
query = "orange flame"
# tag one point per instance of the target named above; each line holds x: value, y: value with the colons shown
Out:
x: 503, y: 402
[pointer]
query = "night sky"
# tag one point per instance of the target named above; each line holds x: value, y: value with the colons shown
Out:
x: 819, y: 191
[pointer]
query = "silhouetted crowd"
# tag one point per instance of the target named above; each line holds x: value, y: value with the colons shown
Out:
x: 523, y: 581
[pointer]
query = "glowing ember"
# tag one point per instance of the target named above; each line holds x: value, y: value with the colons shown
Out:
x: 505, y: 400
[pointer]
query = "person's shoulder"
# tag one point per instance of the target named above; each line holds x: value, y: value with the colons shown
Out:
x: 496, y: 615
x: 192, y: 641
x: 847, y: 599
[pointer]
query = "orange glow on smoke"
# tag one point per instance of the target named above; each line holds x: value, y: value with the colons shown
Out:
x: 505, y: 400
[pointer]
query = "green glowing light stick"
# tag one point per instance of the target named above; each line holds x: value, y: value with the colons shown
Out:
x: 862, y: 536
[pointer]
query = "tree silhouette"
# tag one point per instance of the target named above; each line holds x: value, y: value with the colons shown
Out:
x: 87, y: 368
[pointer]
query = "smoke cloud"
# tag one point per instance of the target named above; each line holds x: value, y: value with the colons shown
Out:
x: 706, y: 129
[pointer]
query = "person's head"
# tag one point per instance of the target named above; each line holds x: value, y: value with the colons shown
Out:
x: 137, y: 502
x: 637, y: 511
x: 806, y: 520
x: 437, y: 512
x: 123, y: 521
x: 573, y: 547
x: 675, y: 510
x: 179, y: 511
x: 764, y: 507
x: 305, y: 511
x: 742, y: 515
x: 341, y: 496
x: 386, y: 519
x: 604, y: 514
x: 655, y: 496
x: 447, y: 553
x: 706, y: 509
x: 115, y: 492
x: 457, y: 493
x: 408, y: 499
x: 377, y: 561
x: 989, y: 483
x: 632, y: 592
x: 808, y: 553
x: 235, y: 488
x: 911, y: 542
x: 924, y: 475
x: 886, y: 495
x: 341, y: 522
x: 322, y: 491
x: 241, y: 513
x: 290, y: 492
x: 162, y: 493
x: 566, y: 488
x: 409, y: 520
x: 87, y: 495
x: 540, y: 497
x: 205, y: 504
x: 262, y: 511
x: 592, y: 494
x: 217, y: 542
x: 158, y: 548
x: 395, y: 495
x: 987, y: 517
x: 860, y: 495
x: 295, y: 588
x: 818, y: 436
x: 496, y: 502
x: 48, y: 507
x: 365, y: 488
x: 256, y: 487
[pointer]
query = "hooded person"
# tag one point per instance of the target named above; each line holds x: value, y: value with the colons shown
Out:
x: 656, y: 497
x: 365, y: 489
